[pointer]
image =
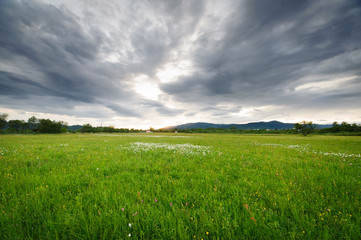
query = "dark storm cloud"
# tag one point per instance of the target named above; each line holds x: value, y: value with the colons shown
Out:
x: 161, y: 108
x: 123, y: 110
x: 51, y: 41
x: 268, y: 45
x: 160, y: 33
x: 243, y: 55
x: 50, y: 51
x: 20, y: 86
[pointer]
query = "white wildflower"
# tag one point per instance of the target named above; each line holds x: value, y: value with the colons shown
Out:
x: 179, y: 148
x: 306, y: 149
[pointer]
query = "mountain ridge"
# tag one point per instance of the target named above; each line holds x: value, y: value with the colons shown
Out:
x: 246, y: 126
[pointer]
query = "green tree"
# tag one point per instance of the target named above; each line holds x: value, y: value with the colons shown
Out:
x: 33, y: 123
x: 3, y: 121
x: 64, y: 126
x: 49, y: 126
x: 86, y: 128
x: 24, y: 126
x: 346, y: 127
x: 355, y: 128
x: 335, y: 127
x: 16, y: 125
x: 305, y: 127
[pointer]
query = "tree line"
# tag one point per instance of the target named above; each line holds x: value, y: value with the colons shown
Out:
x: 35, y: 125
x: 87, y: 128
x: 32, y: 125
x: 304, y: 128
x: 342, y: 127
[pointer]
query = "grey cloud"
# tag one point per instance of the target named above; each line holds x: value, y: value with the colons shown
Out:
x: 123, y: 111
x: 254, y: 54
x: 15, y: 85
x: 166, y: 111
x: 55, y: 42
x: 69, y: 53
x: 269, y: 45
x: 160, y: 108
x: 56, y: 105
x: 221, y: 110
x: 44, y: 36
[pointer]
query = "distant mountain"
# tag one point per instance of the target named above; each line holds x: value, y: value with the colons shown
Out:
x: 247, y: 126
x: 74, y: 127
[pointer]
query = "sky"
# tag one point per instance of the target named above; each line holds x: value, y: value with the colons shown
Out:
x: 136, y: 64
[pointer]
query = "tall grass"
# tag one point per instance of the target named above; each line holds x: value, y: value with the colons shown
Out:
x: 180, y: 187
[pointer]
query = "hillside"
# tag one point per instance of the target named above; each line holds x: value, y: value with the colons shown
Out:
x: 246, y: 126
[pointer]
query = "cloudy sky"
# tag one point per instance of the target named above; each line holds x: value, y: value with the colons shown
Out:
x: 159, y: 63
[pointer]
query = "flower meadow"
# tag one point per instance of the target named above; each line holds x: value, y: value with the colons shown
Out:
x: 180, y: 186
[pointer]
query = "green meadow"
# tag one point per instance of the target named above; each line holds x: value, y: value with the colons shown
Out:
x: 179, y: 186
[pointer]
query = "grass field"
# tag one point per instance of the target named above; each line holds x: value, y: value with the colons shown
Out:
x: 147, y: 186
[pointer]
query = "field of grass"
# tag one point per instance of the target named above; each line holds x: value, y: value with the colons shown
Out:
x: 196, y: 186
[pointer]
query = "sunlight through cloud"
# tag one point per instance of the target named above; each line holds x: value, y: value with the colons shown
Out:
x: 145, y: 87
